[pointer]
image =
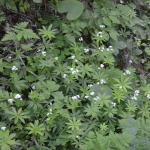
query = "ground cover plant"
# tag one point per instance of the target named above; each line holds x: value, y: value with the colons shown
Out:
x: 76, y: 78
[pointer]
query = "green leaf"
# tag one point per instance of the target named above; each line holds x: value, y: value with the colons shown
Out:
x: 147, y: 50
x: 37, y: 1
x: 107, y: 21
x: 72, y: 7
x: 120, y: 44
x: 138, y: 52
x: 114, y: 19
x: 113, y: 34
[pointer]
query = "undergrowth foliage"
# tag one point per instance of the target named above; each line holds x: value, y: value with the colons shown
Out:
x: 77, y: 87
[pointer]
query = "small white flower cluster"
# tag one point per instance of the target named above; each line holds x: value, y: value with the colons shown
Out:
x: 81, y: 39
x: 64, y: 76
x: 90, y: 85
x: 49, y: 112
x: 77, y: 137
x: 130, y: 61
x: 126, y: 72
x: 148, y: 96
x: 38, y: 50
x: 96, y: 98
x: 3, y: 128
x: 114, y: 104
x: 33, y: 87
x: 92, y: 93
x: 86, y: 50
x: 136, y: 93
x: 102, y: 49
x: 9, y: 57
x: 10, y: 100
x: 75, y: 97
x: 102, y: 81
x: 72, y: 57
x: 101, y: 65
x: 14, y: 68
x: 18, y: 96
x: 74, y: 71
x: 56, y: 58
x: 110, y: 48
x: 86, y: 96
x: 99, y: 34
x: 142, y: 61
x: 102, y: 26
x: 121, y: 1
x: 44, y: 53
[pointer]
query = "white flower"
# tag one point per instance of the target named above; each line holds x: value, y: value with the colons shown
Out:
x: 128, y: 72
x: 130, y: 61
x: 148, y: 96
x: 98, y: 34
x: 38, y: 50
x: 101, y: 26
x: 137, y: 91
x: 33, y: 87
x: 50, y: 110
x: 14, y: 68
x: 51, y: 104
x: 76, y: 60
x: 110, y: 46
x: 72, y: 57
x: 107, y: 49
x: 18, y: 96
x: 86, y: 50
x: 64, y: 75
x: 77, y: 70
x: 73, y: 72
x: 56, y: 58
x: 9, y: 57
x: 80, y: 39
x: 44, y: 53
x: 47, y: 114
x: 21, y: 99
x: 111, y: 49
x: 97, y: 82
x: 86, y: 97
x: 124, y: 73
x: 92, y: 93
x: 120, y: 87
x: 90, y: 85
x: 102, y: 65
x: 71, y: 69
x: 102, y: 50
x: 10, y: 100
x: 114, y: 104
x: 142, y: 60
x: 47, y: 119
x: 121, y: 1
x: 74, y: 97
x: 134, y: 97
x: 77, y: 137
x: 102, y: 47
x: 78, y: 96
x: 102, y: 81
x: 3, y: 128
x: 101, y: 36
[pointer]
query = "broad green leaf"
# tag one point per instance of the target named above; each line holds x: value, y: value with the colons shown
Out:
x: 107, y: 21
x: 37, y: 1
x: 74, y: 8
x: 113, y: 35
x: 114, y: 19
x: 147, y: 50
x: 120, y: 44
